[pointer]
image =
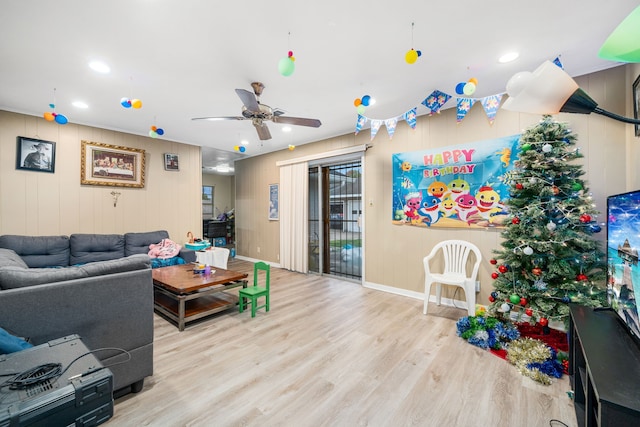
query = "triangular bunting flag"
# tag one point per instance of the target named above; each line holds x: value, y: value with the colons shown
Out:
x: 491, y: 105
x: 410, y: 117
x: 435, y: 101
x: 391, y: 126
x: 375, y: 125
x: 362, y: 120
x: 557, y: 62
x: 464, y: 105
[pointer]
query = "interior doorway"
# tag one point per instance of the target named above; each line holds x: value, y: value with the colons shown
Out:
x: 335, y: 215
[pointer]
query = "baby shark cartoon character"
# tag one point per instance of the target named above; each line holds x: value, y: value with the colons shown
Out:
x: 488, y: 202
x: 405, y: 166
x: 466, y: 207
x: 429, y: 211
x: 447, y: 206
x: 437, y: 189
x: 458, y: 187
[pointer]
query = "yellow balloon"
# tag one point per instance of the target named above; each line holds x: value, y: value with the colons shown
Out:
x: 236, y: 148
x: 292, y: 147
x: 49, y: 117
x: 474, y: 81
x: 136, y: 103
x: 411, y: 56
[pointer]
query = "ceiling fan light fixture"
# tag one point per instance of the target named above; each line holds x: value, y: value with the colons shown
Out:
x: 287, y: 129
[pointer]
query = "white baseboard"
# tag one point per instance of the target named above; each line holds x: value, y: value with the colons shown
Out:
x: 254, y: 260
x: 415, y: 295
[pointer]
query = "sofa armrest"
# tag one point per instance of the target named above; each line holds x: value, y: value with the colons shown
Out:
x: 188, y: 255
x: 114, y: 310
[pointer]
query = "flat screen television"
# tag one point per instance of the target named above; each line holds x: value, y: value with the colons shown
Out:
x: 623, y: 271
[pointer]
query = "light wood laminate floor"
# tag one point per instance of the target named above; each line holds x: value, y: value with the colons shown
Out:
x: 332, y: 353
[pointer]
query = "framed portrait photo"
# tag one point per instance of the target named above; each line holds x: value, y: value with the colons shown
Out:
x: 636, y: 103
x: 35, y: 154
x: 111, y: 165
x: 171, y: 162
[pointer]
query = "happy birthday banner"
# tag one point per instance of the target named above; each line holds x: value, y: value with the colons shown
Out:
x: 434, y: 102
x: 457, y: 186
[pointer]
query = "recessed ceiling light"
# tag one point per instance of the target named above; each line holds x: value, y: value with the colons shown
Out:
x: 79, y: 104
x: 508, y: 57
x: 286, y: 129
x: 244, y: 142
x: 100, y: 67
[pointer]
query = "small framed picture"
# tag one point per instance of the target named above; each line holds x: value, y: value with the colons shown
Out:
x: 171, y: 162
x: 35, y: 155
x: 273, y: 202
x: 636, y: 102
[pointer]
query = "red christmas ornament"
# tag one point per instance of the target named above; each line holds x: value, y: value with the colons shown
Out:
x: 491, y: 298
x: 584, y: 218
x: 493, y: 261
x: 519, y: 186
x: 543, y: 321
x: 503, y: 269
x: 494, y: 275
x: 555, y: 190
x: 537, y: 271
x: 515, y: 220
x: 582, y: 277
x: 528, y: 312
x: 523, y: 301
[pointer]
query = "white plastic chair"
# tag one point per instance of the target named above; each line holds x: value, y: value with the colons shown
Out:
x: 456, y: 254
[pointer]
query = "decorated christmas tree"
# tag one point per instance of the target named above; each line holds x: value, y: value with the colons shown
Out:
x: 549, y: 256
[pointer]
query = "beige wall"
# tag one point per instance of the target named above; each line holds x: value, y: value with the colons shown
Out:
x: 36, y: 203
x: 223, y: 193
x: 393, y: 254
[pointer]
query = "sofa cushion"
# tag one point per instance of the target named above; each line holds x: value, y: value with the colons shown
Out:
x: 138, y: 243
x: 18, y: 277
x: 8, y: 258
x: 130, y: 263
x: 39, y: 251
x: 95, y: 247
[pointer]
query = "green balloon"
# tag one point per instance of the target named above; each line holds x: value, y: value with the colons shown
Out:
x: 286, y: 67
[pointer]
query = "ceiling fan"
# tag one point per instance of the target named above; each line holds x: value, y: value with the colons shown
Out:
x: 259, y: 113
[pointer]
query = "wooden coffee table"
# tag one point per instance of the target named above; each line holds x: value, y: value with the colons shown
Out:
x: 183, y: 296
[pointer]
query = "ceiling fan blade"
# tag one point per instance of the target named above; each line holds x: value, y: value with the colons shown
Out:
x: 220, y: 118
x: 249, y: 100
x: 299, y: 121
x: 263, y: 131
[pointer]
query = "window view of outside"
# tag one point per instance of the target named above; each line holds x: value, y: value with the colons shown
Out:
x: 207, y: 202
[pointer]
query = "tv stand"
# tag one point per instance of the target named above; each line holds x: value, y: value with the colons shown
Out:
x: 604, y: 365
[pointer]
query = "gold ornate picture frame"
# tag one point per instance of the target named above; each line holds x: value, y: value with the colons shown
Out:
x: 111, y: 165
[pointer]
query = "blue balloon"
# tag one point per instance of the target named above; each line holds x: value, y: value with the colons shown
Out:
x: 242, y: 149
x: 61, y: 120
x: 126, y: 103
x: 160, y: 131
x: 460, y: 88
x: 366, y: 100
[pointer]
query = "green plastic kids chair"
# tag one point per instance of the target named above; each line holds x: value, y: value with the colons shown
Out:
x: 254, y: 292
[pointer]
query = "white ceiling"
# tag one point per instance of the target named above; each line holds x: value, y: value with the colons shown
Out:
x: 183, y: 59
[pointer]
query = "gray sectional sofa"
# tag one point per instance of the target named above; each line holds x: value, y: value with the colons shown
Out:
x: 98, y: 286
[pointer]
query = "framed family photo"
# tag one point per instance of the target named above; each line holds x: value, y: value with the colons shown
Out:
x: 171, y: 162
x: 35, y: 154
x: 111, y: 165
x: 636, y: 103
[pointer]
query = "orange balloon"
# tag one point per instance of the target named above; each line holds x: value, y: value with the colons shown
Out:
x: 49, y: 117
x: 474, y: 81
x: 357, y: 102
x: 154, y: 128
